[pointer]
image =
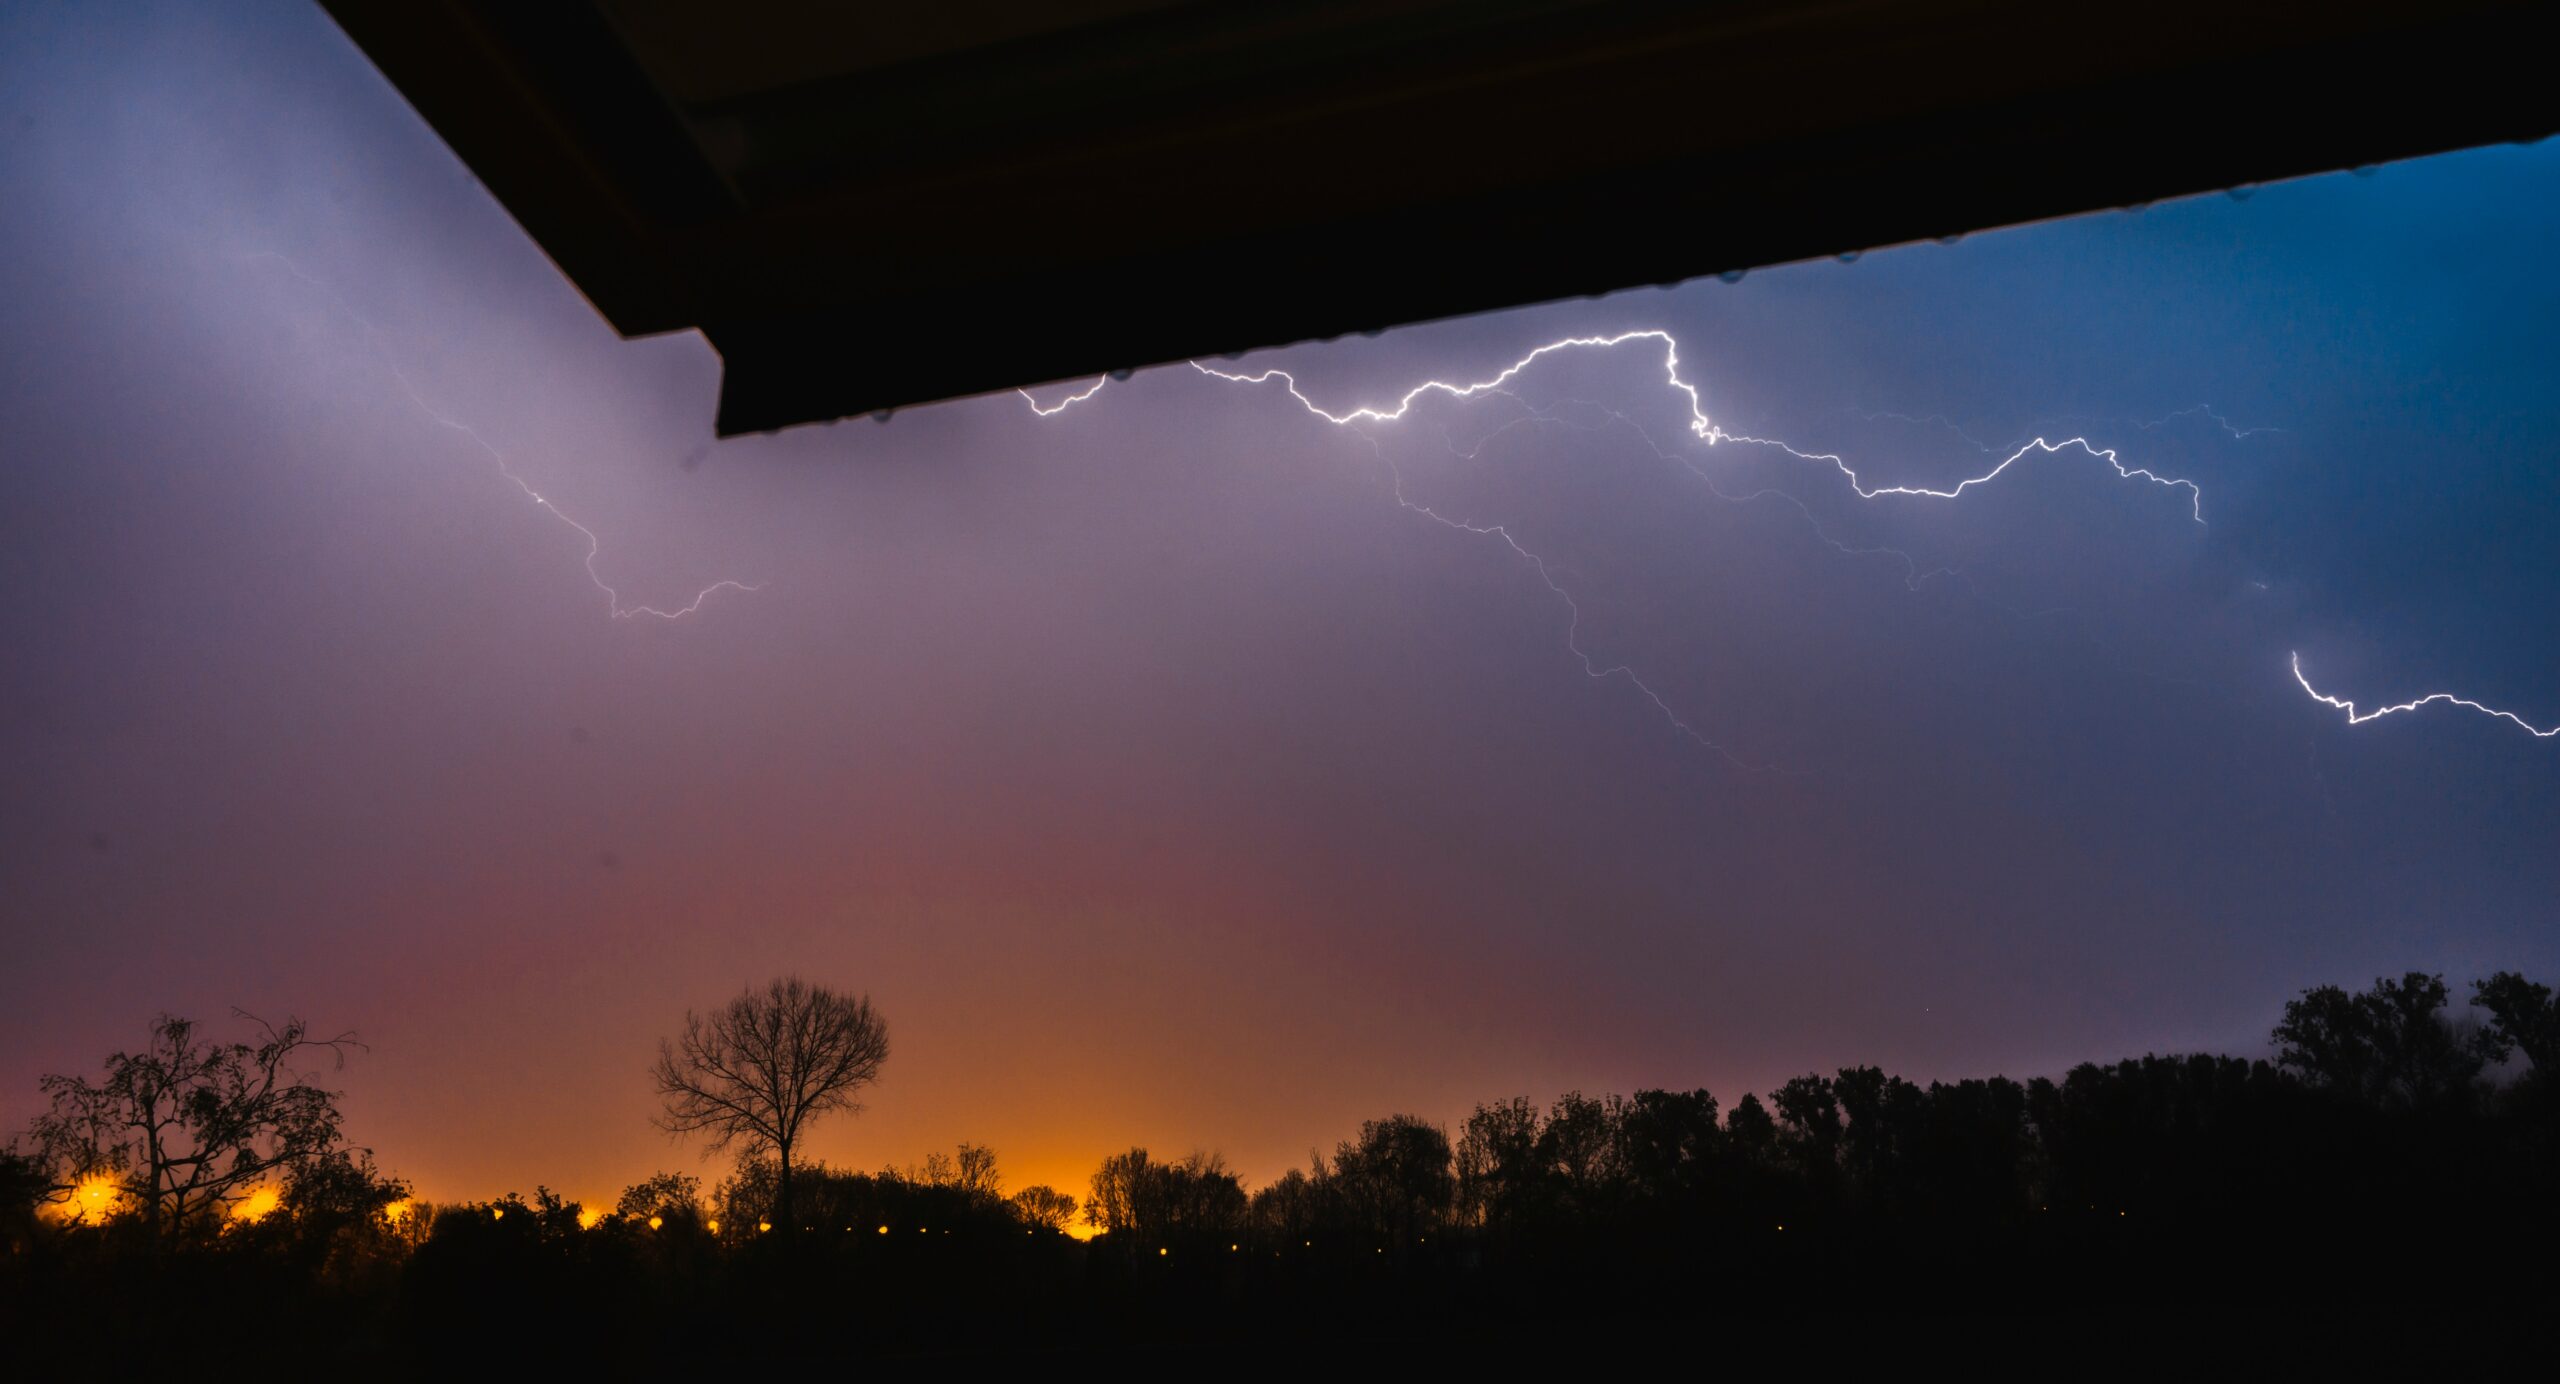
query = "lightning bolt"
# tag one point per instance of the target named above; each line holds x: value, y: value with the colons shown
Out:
x: 2357, y: 718
x: 380, y: 342
x: 2195, y: 496
x: 1053, y: 410
x: 1700, y: 426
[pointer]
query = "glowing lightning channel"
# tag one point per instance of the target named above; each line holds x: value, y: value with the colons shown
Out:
x: 2357, y: 718
x: 2195, y: 496
x: 1066, y: 403
x: 1700, y: 426
x: 595, y: 545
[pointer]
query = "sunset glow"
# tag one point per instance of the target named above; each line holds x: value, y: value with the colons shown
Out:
x: 257, y: 1205
x: 94, y: 1198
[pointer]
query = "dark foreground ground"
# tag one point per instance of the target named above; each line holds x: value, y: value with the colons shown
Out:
x: 2081, y: 1297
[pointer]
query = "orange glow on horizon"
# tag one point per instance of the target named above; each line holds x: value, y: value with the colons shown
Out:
x: 96, y: 1197
x: 590, y: 1217
x: 257, y: 1206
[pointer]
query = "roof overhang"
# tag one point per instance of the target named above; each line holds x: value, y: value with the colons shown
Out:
x: 867, y: 206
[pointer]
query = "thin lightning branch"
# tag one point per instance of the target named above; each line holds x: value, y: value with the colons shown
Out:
x: 2105, y: 454
x: 1912, y: 576
x: 2234, y: 429
x: 2357, y: 718
x: 1573, y: 624
x: 595, y: 545
x: 1066, y: 403
x: 1922, y: 420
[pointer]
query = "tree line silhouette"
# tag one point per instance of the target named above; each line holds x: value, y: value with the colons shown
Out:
x: 2390, y: 1152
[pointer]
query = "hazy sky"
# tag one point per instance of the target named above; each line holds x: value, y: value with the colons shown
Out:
x: 1161, y: 777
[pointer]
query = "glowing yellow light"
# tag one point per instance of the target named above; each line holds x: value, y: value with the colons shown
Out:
x: 763, y: 1226
x: 1233, y: 1248
x: 589, y: 1218
x: 497, y: 1213
x: 1163, y: 1252
x: 656, y: 1221
x: 97, y: 1197
x: 715, y: 1227
x: 258, y: 1205
x: 399, y: 1212
x: 884, y: 1230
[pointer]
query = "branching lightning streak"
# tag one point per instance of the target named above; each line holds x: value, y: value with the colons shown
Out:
x: 1053, y: 410
x: 2357, y: 718
x: 2195, y: 496
x: 1591, y: 667
x: 595, y: 546
x: 1708, y: 431
x: 1700, y: 426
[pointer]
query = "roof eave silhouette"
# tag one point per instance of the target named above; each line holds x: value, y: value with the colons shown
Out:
x: 871, y: 212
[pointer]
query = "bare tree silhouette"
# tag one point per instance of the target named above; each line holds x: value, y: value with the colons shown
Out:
x: 186, y: 1127
x: 755, y: 1071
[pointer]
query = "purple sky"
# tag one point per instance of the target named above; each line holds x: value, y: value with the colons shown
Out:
x: 1160, y: 776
